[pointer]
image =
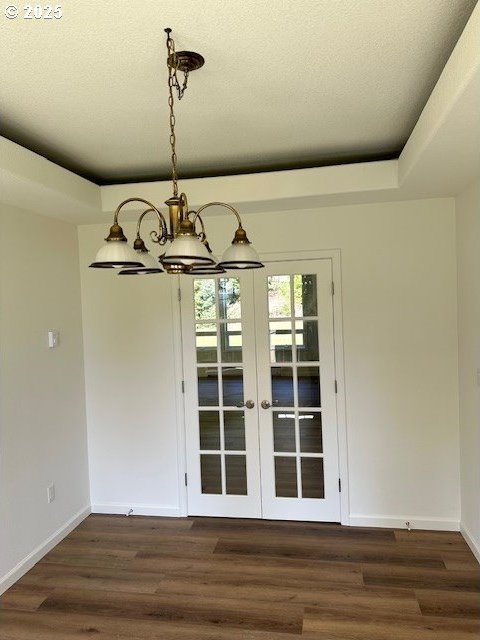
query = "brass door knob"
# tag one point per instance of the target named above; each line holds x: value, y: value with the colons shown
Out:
x: 249, y: 404
x: 266, y: 404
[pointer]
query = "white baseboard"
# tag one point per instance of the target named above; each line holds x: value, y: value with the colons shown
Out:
x: 37, y: 554
x: 469, y: 539
x: 115, y: 508
x: 398, y: 522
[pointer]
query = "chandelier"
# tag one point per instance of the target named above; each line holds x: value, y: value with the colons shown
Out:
x: 188, y: 250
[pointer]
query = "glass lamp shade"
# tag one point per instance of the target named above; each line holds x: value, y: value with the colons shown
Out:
x: 150, y: 265
x: 206, y: 269
x: 187, y: 250
x: 240, y: 256
x: 115, y: 255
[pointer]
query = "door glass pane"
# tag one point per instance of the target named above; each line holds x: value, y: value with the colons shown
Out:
x: 232, y: 386
x: 308, y: 386
x: 312, y: 478
x: 234, y: 430
x: 204, y: 295
x: 284, y: 431
x: 310, y: 426
x: 282, y: 386
x: 236, y: 475
x: 229, y: 298
x: 231, y: 341
x: 286, y: 477
x: 305, y: 295
x: 279, y: 302
x: 306, y: 338
x: 207, y: 386
x: 206, y: 340
x: 209, y: 424
x: 211, y: 473
x: 281, y: 341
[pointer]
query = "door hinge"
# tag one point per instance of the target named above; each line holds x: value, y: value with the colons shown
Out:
x: 183, y: 386
x: 186, y: 480
x: 179, y: 294
x: 333, y: 288
x: 336, y: 386
x: 339, y: 484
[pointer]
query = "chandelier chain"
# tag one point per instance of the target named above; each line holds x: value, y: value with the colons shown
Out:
x: 173, y: 83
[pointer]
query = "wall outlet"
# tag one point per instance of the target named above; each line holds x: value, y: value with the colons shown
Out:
x: 50, y: 493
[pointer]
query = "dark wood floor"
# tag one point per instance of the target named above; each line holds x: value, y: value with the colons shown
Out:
x: 166, y: 579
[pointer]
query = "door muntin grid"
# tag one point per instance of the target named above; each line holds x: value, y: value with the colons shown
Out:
x: 221, y: 419
x: 295, y: 385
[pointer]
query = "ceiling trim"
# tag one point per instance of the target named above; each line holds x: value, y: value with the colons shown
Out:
x: 457, y: 86
x: 280, y: 190
x: 32, y: 182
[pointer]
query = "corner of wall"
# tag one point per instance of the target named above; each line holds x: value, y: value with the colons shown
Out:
x: 42, y: 549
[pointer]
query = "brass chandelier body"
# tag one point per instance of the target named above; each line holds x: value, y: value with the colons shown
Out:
x: 188, y: 248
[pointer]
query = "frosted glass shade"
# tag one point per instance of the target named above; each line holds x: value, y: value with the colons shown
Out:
x: 148, y: 260
x: 187, y: 250
x: 206, y: 269
x: 240, y: 256
x: 149, y: 265
x: 115, y: 255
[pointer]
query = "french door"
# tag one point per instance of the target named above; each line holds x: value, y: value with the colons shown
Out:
x: 260, y: 411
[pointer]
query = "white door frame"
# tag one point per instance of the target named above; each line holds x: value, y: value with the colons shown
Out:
x: 335, y: 256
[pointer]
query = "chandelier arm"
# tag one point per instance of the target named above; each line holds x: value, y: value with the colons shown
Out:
x: 160, y: 237
x: 163, y: 224
x: 202, y: 235
x: 219, y: 204
x: 184, y: 201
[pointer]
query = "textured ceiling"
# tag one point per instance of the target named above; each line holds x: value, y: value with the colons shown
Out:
x: 286, y: 84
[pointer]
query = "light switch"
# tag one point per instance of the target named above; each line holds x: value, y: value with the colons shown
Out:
x: 50, y: 493
x: 53, y: 339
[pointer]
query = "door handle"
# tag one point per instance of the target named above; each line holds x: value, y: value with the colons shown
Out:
x: 249, y: 404
x: 266, y: 404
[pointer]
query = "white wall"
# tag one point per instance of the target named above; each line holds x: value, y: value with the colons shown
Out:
x: 42, y: 397
x: 468, y: 256
x: 130, y: 386
x: 400, y: 336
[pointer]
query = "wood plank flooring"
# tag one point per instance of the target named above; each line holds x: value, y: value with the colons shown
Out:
x: 217, y: 579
